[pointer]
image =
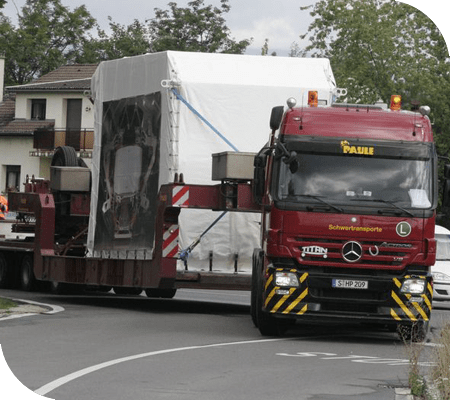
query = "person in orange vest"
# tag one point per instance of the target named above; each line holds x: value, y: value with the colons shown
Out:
x: 3, y: 207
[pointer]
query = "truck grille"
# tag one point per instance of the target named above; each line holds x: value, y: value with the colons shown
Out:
x: 375, y: 254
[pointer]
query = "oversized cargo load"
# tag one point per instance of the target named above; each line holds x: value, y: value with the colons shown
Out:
x: 164, y: 114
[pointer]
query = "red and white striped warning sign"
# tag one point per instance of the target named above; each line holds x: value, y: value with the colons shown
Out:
x: 170, y: 242
x: 180, y: 196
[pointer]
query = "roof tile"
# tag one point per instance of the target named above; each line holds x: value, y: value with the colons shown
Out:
x: 24, y: 127
x: 69, y: 73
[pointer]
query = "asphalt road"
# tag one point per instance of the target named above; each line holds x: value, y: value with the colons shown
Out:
x: 200, y: 345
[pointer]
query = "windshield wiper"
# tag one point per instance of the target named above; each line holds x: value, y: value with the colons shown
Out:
x: 387, y: 202
x: 311, y: 196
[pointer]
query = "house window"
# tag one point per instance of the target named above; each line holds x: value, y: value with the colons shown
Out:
x: 12, y: 178
x: 38, y: 107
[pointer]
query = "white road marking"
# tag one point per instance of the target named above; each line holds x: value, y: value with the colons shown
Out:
x: 355, y: 358
x: 78, y: 374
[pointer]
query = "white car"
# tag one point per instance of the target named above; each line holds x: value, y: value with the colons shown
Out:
x: 441, y: 270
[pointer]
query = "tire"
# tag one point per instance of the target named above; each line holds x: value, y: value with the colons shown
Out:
x: 134, y: 291
x: 266, y: 323
x: 104, y: 289
x: 127, y: 291
x: 256, y: 259
x: 5, y: 273
x: 59, y: 287
x: 161, y: 293
x: 415, y: 333
x: 65, y: 156
x: 27, y: 278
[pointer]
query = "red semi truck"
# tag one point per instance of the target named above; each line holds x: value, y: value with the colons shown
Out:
x: 348, y: 198
x: 348, y: 195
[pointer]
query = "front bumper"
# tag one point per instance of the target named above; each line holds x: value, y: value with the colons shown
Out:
x: 316, y: 299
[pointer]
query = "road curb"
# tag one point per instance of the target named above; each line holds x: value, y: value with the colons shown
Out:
x: 28, y: 308
x: 403, y: 394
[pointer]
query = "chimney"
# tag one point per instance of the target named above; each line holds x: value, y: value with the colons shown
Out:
x: 2, y: 76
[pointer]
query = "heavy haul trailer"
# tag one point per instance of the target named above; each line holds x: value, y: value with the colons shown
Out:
x: 349, y: 195
x: 158, y: 116
x: 56, y: 253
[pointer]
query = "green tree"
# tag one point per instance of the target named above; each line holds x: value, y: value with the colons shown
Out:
x: 382, y: 47
x: 265, y: 49
x: 47, y: 36
x: 197, y: 28
x: 124, y: 41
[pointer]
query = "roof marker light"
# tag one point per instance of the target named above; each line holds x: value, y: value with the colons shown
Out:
x: 396, y: 102
x: 313, y: 98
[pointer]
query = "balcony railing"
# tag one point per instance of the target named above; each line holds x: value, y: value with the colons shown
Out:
x: 45, y: 141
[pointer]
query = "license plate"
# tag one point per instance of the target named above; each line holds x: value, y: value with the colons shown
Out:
x: 349, y: 284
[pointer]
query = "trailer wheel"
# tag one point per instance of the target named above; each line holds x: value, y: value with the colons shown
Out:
x: 161, y: 293
x: 59, y: 287
x: 5, y: 273
x: 127, y: 290
x: 27, y: 278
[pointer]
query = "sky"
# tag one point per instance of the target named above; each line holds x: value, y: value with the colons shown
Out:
x: 280, y: 21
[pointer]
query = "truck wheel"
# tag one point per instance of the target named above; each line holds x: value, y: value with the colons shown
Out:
x: 27, y: 279
x: 266, y: 323
x: 256, y: 260
x: 416, y: 333
x: 5, y: 275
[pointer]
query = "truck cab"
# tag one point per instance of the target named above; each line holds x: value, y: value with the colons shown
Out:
x: 349, y: 194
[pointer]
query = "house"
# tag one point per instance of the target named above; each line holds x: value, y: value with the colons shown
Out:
x: 36, y: 118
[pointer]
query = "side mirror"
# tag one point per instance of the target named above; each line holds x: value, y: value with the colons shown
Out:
x: 289, y: 158
x: 259, y: 177
x: 275, y: 117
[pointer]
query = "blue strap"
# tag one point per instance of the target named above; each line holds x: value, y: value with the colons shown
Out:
x: 181, y: 98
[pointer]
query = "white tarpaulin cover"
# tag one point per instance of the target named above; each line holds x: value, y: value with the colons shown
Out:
x: 144, y: 135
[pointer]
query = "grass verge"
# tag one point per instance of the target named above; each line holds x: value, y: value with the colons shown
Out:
x: 6, y: 304
x: 437, y: 384
x: 440, y: 373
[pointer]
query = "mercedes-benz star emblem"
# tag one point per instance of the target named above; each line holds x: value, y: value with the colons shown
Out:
x: 352, y: 251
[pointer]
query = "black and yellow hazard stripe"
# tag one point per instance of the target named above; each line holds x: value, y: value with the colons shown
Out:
x: 405, y: 309
x: 290, y: 303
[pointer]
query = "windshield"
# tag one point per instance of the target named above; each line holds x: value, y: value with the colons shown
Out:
x: 357, y: 180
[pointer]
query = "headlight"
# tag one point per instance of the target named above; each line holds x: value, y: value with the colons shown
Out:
x: 414, y: 286
x: 286, y: 279
x: 440, y: 276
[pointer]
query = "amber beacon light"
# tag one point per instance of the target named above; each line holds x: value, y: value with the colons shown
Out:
x: 313, y: 98
x: 396, y: 102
